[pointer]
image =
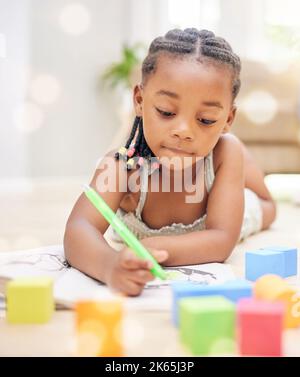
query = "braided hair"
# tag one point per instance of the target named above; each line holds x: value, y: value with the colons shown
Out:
x: 202, y: 45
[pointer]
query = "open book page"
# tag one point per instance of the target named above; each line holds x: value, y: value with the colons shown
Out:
x: 71, y: 285
x: 48, y: 261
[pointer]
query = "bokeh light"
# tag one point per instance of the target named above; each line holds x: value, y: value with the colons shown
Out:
x: 28, y: 117
x: 88, y: 344
x: 284, y: 187
x: 75, y: 19
x: 45, y: 89
x: 259, y: 106
x: 91, y: 336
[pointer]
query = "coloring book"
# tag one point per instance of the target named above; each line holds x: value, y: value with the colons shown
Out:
x: 71, y: 285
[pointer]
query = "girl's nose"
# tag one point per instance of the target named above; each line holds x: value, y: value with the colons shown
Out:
x: 183, y: 132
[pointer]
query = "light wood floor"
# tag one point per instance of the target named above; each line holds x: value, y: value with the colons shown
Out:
x: 37, y: 218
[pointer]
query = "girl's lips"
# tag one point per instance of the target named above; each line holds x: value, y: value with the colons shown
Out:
x: 179, y: 151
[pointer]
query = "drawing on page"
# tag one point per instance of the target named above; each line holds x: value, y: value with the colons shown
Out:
x: 33, y: 263
x: 186, y: 274
x: 46, y: 262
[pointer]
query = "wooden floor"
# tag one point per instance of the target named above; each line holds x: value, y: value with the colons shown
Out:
x: 36, y: 217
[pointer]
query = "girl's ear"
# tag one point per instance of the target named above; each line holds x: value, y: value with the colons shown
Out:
x: 138, y: 100
x: 230, y: 119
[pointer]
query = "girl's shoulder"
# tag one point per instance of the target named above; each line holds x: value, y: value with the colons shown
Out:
x: 228, y: 147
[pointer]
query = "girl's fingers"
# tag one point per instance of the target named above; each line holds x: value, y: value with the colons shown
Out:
x: 132, y: 262
x: 141, y: 276
x: 159, y: 255
x: 132, y: 288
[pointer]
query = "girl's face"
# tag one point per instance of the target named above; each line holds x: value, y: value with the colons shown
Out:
x: 185, y: 106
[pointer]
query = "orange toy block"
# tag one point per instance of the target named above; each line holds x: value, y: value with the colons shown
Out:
x: 274, y: 288
x: 99, y: 327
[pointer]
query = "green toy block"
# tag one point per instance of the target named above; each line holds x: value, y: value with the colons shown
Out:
x: 30, y: 300
x: 207, y: 325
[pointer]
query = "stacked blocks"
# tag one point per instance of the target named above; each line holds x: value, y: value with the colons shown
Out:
x: 274, y: 288
x: 261, y: 262
x: 274, y: 260
x: 290, y: 255
x: 30, y: 300
x: 232, y: 290
x: 99, y: 326
x: 260, y: 325
x: 207, y: 324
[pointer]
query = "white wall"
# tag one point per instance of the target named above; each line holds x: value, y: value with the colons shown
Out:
x: 80, y: 124
x: 242, y: 24
x: 145, y: 20
x: 13, y: 69
x: 77, y: 128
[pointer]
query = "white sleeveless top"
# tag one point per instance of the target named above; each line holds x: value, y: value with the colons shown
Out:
x: 252, y: 221
x: 134, y: 221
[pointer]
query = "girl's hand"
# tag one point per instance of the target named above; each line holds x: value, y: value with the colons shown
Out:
x: 128, y: 273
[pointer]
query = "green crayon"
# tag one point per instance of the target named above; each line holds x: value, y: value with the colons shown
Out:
x: 128, y: 237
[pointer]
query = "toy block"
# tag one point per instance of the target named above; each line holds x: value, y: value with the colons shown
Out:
x: 290, y: 258
x: 30, y: 300
x: 99, y: 326
x: 262, y: 262
x: 232, y: 290
x: 274, y: 288
x: 260, y: 327
x: 207, y: 325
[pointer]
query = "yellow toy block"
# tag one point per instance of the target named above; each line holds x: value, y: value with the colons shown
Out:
x: 29, y: 300
x: 274, y: 288
x: 99, y: 327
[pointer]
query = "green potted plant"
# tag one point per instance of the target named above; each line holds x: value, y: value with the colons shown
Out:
x: 121, y: 76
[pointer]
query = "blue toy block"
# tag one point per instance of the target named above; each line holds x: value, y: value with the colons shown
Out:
x: 232, y: 290
x: 236, y: 289
x: 262, y: 262
x: 290, y: 258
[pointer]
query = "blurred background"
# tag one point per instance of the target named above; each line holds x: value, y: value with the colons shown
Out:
x: 66, y: 73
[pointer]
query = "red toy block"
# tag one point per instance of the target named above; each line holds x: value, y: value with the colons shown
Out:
x: 260, y: 326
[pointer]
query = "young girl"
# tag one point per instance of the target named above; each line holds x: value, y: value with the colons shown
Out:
x: 184, y: 106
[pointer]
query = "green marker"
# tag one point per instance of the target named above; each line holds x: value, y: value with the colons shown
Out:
x: 129, y: 238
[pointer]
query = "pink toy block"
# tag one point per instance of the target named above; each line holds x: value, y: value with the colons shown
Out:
x: 260, y: 326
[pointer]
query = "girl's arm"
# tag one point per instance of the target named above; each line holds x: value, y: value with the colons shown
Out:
x: 84, y: 244
x: 225, y: 210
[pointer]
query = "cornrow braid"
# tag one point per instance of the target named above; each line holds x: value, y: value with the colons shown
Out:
x: 139, y: 148
x: 202, y: 45
x: 133, y: 131
x: 145, y: 151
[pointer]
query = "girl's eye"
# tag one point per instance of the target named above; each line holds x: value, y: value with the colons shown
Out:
x: 168, y: 114
x: 207, y: 122
x: 165, y: 113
